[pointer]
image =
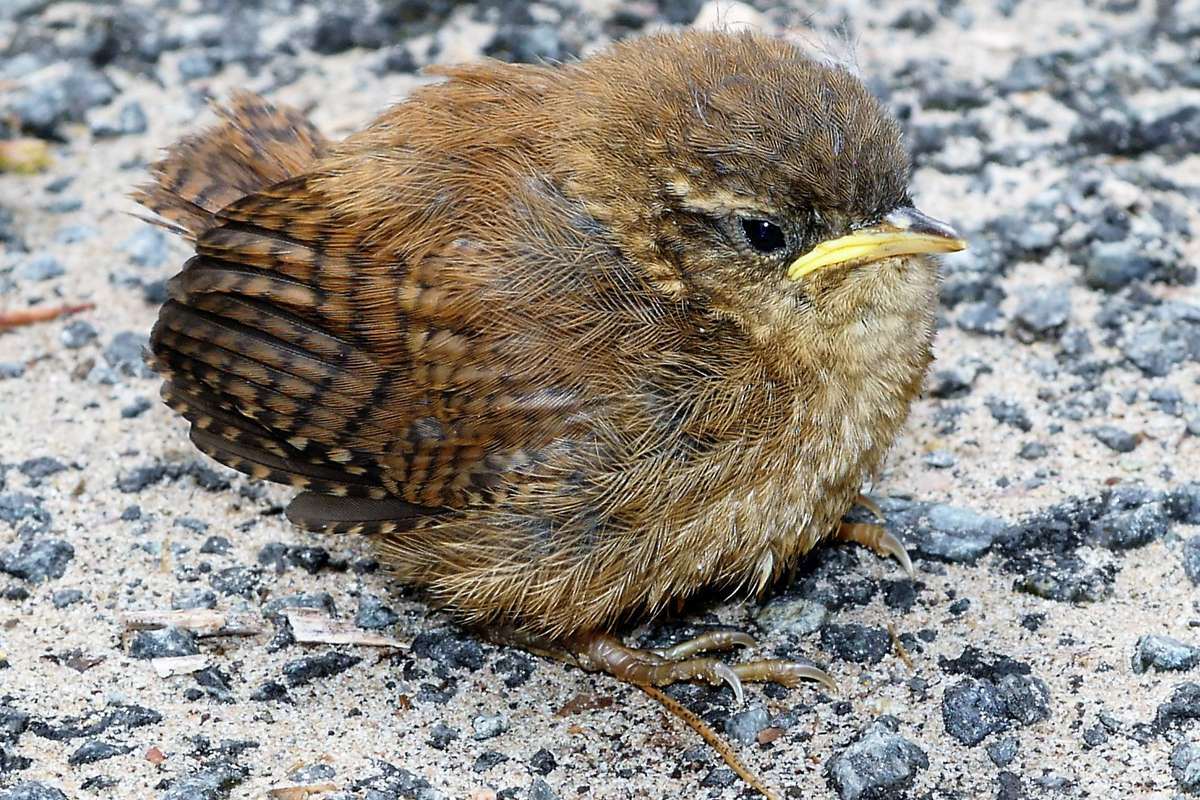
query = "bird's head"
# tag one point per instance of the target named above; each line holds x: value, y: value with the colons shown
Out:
x: 763, y: 184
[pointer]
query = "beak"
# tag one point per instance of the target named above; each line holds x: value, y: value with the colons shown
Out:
x: 903, y: 232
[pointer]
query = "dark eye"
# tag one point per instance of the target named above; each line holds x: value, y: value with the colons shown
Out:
x: 763, y: 235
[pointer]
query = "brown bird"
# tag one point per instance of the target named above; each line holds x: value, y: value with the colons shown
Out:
x: 569, y: 342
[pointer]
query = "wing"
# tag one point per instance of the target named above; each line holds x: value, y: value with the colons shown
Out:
x: 371, y: 371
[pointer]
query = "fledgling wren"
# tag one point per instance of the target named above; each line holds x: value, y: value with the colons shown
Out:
x: 568, y: 342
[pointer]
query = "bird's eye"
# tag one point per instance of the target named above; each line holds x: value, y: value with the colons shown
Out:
x: 763, y: 235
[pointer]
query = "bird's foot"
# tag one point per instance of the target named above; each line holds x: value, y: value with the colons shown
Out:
x: 603, y: 652
x: 875, y: 537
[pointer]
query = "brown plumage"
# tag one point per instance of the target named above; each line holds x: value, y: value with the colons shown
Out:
x: 533, y: 328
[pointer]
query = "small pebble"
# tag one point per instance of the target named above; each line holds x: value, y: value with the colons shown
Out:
x: 744, y: 726
x: 163, y: 643
x: 1163, y: 654
x: 373, y: 615
x: 1185, y: 767
x: 77, y: 333
x: 879, y: 763
x: 488, y: 726
x: 42, y: 267
x: 1115, y: 438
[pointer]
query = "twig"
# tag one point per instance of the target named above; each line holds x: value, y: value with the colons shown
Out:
x: 32, y: 316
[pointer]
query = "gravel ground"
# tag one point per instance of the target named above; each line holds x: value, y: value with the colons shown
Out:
x: 1047, y: 483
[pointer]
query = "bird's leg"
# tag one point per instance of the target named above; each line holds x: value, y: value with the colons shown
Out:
x: 877, y: 538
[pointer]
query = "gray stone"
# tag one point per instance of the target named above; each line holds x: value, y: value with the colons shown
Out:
x: 880, y: 763
x: 130, y: 119
x: 1003, y: 751
x: 124, y: 354
x: 66, y: 597
x: 1134, y: 527
x: 1043, y: 314
x: 72, y: 234
x: 42, y: 267
x: 984, y: 318
x: 540, y: 790
x: 41, y: 467
x: 940, y: 459
x: 77, y: 333
x: 33, y: 791
x: 61, y: 92
x: 1185, y: 767
x: 489, y: 726
x: 373, y: 615
x: 972, y: 710
x: 955, y: 534
x: 18, y: 507
x: 194, y: 598
x: 1183, y: 503
x: 1031, y: 451
x: 792, y: 615
x: 1163, y: 654
x: 1114, y: 265
x: 163, y: 643
x: 307, y: 669
x: 147, y: 247
x: 322, y: 601
x: 1156, y: 348
x: 95, y: 750
x: 1115, y: 438
x: 38, y: 561
x: 210, y: 784
x: 240, y: 581
x: 1026, y: 698
x: 1008, y: 412
x: 744, y: 726
x: 1191, y: 559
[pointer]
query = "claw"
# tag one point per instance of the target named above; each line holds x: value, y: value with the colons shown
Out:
x: 879, y: 539
x: 725, y: 674
x: 870, y: 505
x: 786, y: 673
x: 895, y: 548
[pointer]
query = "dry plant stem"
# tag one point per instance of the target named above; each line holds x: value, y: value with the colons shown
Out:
x: 901, y: 651
x: 32, y: 316
x: 714, y: 741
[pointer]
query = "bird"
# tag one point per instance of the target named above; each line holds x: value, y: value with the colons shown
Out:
x: 568, y: 342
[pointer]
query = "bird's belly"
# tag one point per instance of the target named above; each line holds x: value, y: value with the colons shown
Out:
x: 787, y: 494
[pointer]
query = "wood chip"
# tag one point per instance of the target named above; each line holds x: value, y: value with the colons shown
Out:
x: 200, y: 621
x: 584, y: 702
x: 768, y: 735
x: 299, y: 791
x: 312, y: 625
x: 169, y: 666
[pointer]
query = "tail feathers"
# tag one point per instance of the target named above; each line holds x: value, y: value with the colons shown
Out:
x: 323, y: 513
x: 255, y: 145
